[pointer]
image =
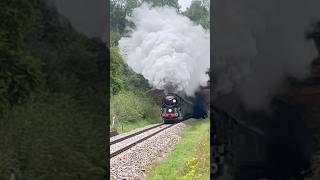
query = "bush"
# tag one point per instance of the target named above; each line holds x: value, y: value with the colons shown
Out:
x: 52, y: 137
x: 116, y: 68
x: 129, y: 107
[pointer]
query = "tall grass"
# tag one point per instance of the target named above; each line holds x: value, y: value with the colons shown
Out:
x: 131, y: 110
x: 190, y: 159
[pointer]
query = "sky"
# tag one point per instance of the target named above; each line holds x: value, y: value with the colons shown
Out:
x: 184, y: 4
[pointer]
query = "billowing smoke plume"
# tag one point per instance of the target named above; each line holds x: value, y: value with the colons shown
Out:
x: 170, y: 51
x: 259, y: 44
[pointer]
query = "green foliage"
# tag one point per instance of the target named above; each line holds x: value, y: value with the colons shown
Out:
x: 18, y: 18
x: 161, y: 3
x: 119, y: 10
x: 129, y: 126
x: 198, y: 165
x: 51, y: 137
x: 59, y: 134
x: 129, y: 107
x: 134, y: 82
x: 114, y: 38
x: 191, y: 157
x: 20, y: 73
x: 122, y: 77
x: 205, y: 22
x: 116, y: 68
x: 199, y: 13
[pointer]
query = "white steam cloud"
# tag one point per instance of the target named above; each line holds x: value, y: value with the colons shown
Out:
x: 170, y: 51
x: 258, y: 44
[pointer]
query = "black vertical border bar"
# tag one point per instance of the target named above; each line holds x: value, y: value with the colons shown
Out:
x: 211, y: 87
x: 108, y: 90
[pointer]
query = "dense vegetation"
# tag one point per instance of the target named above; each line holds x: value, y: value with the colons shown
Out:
x: 53, y: 86
x: 52, y: 96
x: 191, y: 157
x: 129, y: 104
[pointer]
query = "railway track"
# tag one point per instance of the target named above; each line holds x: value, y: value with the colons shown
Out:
x: 123, y: 143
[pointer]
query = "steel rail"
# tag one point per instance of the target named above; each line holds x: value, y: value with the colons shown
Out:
x: 139, y: 141
x: 134, y: 134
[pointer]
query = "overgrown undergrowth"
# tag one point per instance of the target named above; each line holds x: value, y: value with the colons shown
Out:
x: 129, y: 110
x: 190, y: 159
x: 52, y: 137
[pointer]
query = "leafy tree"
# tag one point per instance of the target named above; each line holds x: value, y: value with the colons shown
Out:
x: 161, y: 3
x: 51, y: 137
x: 199, y: 13
x: 119, y: 10
x: 116, y: 68
x: 52, y: 96
x: 20, y: 73
x: 122, y: 77
x: 117, y: 16
x: 206, y: 4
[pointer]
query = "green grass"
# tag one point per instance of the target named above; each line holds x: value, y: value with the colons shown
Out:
x: 129, y: 126
x: 129, y: 111
x: 191, y: 157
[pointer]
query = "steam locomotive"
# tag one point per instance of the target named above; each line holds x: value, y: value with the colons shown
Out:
x: 176, y: 108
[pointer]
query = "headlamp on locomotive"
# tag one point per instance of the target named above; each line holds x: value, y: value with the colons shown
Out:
x: 170, y: 110
x: 175, y: 108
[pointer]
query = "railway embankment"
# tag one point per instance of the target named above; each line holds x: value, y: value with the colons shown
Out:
x: 134, y: 162
x: 190, y: 159
x: 162, y: 151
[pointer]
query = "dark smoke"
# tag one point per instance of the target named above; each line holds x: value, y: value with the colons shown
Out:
x: 258, y: 45
x: 87, y: 17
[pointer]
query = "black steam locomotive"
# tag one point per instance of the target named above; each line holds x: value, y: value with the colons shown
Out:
x: 175, y: 108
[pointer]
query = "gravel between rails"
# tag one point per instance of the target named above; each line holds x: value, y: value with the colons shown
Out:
x: 126, y: 142
x: 132, y: 132
x: 133, y: 163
